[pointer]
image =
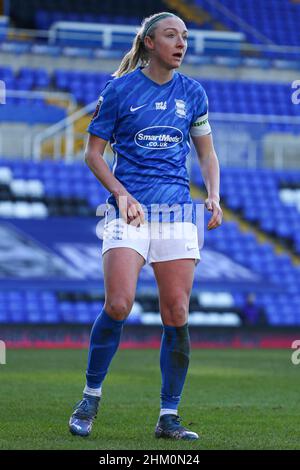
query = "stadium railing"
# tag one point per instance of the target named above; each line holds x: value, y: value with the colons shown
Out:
x: 110, y: 36
x: 63, y: 129
x: 107, y: 40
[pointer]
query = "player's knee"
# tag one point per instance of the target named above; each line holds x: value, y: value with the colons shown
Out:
x: 118, y: 309
x: 175, y: 313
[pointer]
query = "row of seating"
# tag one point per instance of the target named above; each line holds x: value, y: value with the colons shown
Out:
x: 49, y: 307
x: 88, y: 317
x: 224, y: 96
x: 18, y: 308
x: 257, y: 197
x: 276, y: 21
x: 261, y: 258
x: 45, y: 19
x: 267, y: 90
x: 43, y: 113
x: 278, y: 59
x: 67, y: 186
x: 31, y: 189
x: 26, y: 15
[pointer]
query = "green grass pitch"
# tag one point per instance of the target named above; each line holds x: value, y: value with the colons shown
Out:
x: 235, y: 399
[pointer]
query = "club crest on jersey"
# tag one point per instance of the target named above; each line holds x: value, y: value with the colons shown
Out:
x: 98, y: 107
x: 161, y: 105
x: 180, y: 110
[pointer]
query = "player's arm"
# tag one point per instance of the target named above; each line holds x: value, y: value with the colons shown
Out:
x: 130, y: 209
x: 94, y: 159
x: 210, y: 170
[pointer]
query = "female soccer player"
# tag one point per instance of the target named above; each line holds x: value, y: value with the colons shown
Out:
x: 148, y: 113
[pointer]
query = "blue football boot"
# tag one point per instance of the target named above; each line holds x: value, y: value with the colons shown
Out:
x: 168, y: 426
x: 85, y: 411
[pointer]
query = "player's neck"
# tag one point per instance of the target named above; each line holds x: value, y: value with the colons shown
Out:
x: 157, y: 74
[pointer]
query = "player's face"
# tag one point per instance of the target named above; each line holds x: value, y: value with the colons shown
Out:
x: 169, y: 43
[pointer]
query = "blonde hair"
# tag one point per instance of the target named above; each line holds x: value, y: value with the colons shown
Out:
x: 138, y: 54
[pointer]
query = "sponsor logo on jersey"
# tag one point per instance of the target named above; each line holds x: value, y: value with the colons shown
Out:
x: 158, y: 137
x: 161, y: 105
x: 180, y: 110
x: 98, y: 107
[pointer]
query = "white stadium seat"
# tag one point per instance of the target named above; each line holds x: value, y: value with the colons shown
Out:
x: 5, y: 175
x: 216, y: 299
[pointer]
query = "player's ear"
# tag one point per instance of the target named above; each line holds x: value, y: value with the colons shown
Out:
x: 149, y: 43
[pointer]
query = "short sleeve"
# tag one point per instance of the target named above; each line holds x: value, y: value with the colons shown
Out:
x: 105, y: 116
x: 200, y: 124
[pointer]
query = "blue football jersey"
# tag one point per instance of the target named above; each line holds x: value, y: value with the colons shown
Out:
x: 148, y: 126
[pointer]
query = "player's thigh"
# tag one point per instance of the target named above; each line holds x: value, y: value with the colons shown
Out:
x: 121, y: 268
x: 174, y: 280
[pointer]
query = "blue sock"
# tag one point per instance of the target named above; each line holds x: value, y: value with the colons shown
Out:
x: 174, y: 362
x: 104, y: 342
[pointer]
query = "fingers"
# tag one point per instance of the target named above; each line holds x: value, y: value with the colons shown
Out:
x: 141, y: 214
x: 135, y: 222
x: 216, y: 218
x: 136, y: 215
x: 132, y: 212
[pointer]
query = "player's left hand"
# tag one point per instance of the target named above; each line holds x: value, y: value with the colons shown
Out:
x: 213, y: 206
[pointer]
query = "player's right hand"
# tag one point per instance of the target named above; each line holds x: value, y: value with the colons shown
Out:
x: 131, y: 210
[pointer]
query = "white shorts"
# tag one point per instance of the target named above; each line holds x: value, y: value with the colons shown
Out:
x: 156, y: 241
